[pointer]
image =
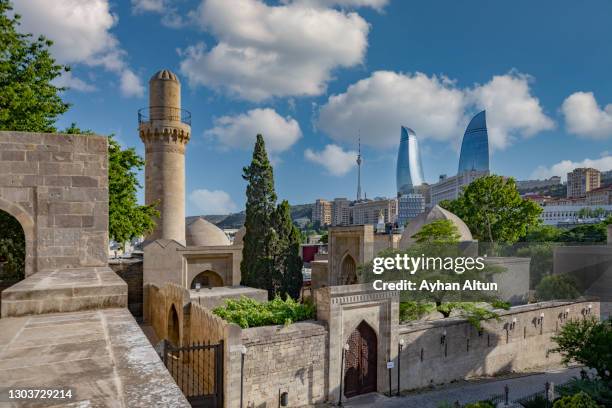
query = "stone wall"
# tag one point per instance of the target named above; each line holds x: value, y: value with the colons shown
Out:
x: 56, y: 186
x: 130, y: 270
x: 292, y: 359
x: 158, y: 306
x: 446, y: 350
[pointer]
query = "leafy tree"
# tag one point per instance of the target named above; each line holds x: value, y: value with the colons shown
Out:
x: 556, y: 287
x: 541, y: 263
x: 580, y: 400
x: 493, y: 209
x: 288, y: 258
x: 126, y: 218
x: 593, y: 233
x: 257, y: 266
x: 438, y: 232
x: 587, y: 341
x: 542, y: 233
x: 12, y: 248
x: 324, y: 238
x: 28, y: 99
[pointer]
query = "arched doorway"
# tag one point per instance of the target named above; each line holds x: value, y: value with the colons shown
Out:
x: 12, y: 250
x: 348, y: 271
x: 207, y: 279
x: 173, y: 327
x: 360, y: 364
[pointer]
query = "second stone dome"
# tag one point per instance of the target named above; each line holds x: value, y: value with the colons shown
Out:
x: 203, y: 233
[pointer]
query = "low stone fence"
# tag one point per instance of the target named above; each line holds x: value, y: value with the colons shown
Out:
x: 445, y: 350
x: 290, y: 359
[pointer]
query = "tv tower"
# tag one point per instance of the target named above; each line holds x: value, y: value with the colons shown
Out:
x: 359, y: 170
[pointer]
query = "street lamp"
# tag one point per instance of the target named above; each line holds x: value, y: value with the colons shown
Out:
x: 400, y: 346
x: 345, y: 348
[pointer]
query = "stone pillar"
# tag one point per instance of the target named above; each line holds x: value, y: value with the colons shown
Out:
x: 165, y: 130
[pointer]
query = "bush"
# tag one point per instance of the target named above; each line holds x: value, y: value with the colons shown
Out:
x: 556, y: 287
x: 538, y: 402
x: 481, y: 404
x: 594, y: 388
x: 580, y: 400
x: 414, y: 310
x: 247, y: 312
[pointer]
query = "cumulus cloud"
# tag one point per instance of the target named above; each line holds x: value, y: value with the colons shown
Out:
x: 268, y: 51
x: 212, y: 201
x: 170, y: 15
x: 241, y: 130
x: 584, y: 116
x: 80, y: 31
x: 565, y: 166
x: 131, y: 85
x: 511, y: 108
x: 434, y: 106
x: 375, y: 4
x: 68, y: 80
x: 337, y: 161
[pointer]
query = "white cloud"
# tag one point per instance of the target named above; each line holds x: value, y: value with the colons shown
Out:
x: 212, y: 201
x: 511, y: 108
x: 435, y: 107
x: 337, y: 161
x: 130, y: 84
x: 375, y: 4
x: 266, y: 51
x: 563, y: 167
x: 80, y: 31
x: 377, y: 106
x: 241, y: 130
x: 170, y: 15
x: 584, y: 117
x: 68, y: 80
x: 143, y: 6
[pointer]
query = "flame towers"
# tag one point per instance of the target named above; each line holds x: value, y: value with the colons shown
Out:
x: 475, y: 146
x: 409, y: 171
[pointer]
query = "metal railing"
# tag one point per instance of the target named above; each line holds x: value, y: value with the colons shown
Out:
x: 153, y: 113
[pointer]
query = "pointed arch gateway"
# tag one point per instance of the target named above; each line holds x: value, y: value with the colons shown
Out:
x: 174, y: 334
x: 361, y: 361
x: 348, y: 271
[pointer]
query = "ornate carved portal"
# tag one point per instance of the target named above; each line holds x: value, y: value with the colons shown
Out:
x: 361, y: 361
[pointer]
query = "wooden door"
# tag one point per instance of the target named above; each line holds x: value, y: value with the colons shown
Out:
x: 361, y: 361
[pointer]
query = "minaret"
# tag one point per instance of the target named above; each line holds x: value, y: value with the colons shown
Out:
x: 165, y: 129
x: 359, y: 171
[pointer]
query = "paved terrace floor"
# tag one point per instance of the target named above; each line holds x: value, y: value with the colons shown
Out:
x: 102, y: 355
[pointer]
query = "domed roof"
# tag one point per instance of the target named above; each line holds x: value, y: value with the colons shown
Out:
x: 239, y: 236
x: 435, y: 214
x: 203, y: 233
x: 164, y: 74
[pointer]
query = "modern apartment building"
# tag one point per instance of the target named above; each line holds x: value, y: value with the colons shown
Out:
x: 582, y: 180
x: 322, y: 212
x: 599, y: 196
x: 341, y: 213
x: 449, y: 188
x: 568, y: 214
x: 409, y: 207
x: 367, y: 212
x: 606, y: 178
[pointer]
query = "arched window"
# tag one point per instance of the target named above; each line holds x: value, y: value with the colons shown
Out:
x: 348, y: 271
x: 207, y: 279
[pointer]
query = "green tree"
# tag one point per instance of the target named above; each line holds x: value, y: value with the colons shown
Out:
x: 580, y: 400
x: 29, y: 101
x: 126, y: 218
x: 493, y: 209
x: 438, y: 232
x: 542, y: 233
x: 12, y: 248
x: 587, y: 341
x: 556, y: 287
x: 288, y: 260
x: 594, y: 233
x: 257, y: 265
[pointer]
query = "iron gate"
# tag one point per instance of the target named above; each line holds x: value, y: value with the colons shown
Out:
x: 198, y: 371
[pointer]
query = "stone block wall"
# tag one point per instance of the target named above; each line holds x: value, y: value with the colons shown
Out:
x: 56, y: 186
x: 130, y: 270
x: 292, y: 359
x: 446, y: 350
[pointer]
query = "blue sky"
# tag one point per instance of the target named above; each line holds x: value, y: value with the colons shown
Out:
x: 313, y: 74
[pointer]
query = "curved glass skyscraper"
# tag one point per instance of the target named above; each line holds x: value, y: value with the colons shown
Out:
x: 475, y: 146
x: 409, y: 171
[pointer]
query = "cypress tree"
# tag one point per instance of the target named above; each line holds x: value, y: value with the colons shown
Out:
x: 288, y: 259
x: 257, y: 266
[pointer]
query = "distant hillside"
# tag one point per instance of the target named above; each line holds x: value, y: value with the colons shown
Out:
x: 236, y: 220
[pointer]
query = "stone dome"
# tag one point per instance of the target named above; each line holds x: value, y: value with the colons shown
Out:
x: 435, y: 214
x: 239, y: 236
x: 203, y: 233
x: 164, y: 75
